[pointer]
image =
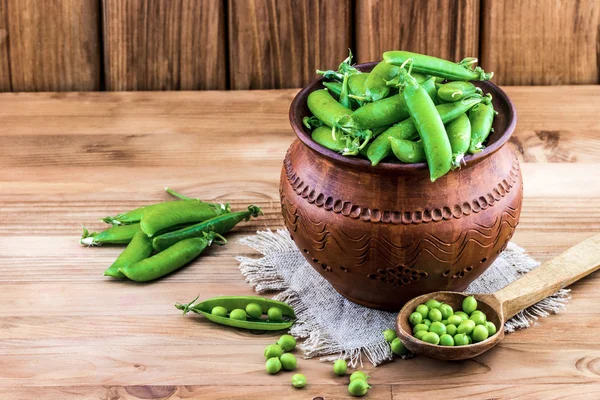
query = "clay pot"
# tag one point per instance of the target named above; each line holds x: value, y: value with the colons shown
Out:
x: 383, y: 235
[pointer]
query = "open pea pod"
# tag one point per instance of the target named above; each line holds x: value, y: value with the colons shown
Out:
x: 232, y: 302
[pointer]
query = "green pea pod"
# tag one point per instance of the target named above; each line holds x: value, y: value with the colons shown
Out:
x: 459, y: 134
x: 482, y: 118
x: 408, y: 151
x: 356, y: 83
x: 430, y: 127
x: 170, y: 260
x: 335, y: 88
x: 439, y: 67
x: 323, y: 136
x: 240, y: 302
x: 458, y: 90
x: 326, y: 108
x: 220, y: 224
x: 386, y: 111
x: 381, y: 148
x: 376, y: 87
x: 115, y: 235
x: 133, y: 216
x: 175, y: 213
x: 138, y: 249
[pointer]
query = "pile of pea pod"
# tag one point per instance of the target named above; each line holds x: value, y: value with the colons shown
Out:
x: 410, y: 108
x: 161, y: 238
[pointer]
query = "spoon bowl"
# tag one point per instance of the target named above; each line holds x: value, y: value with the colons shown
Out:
x: 486, y: 303
x: 499, y: 307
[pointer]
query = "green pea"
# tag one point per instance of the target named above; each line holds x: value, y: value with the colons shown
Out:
x: 273, y: 351
x: 299, y: 380
x: 420, y: 327
x: 451, y: 329
x: 426, y: 322
x: 339, y: 367
x: 455, y: 320
x: 254, y: 310
x: 432, y: 303
x: 238, y: 314
x: 275, y: 314
x: 398, y: 347
x: 435, y: 315
x: 445, y: 321
x: 358, y: 387
x: 419, y: 335
x: 423, y: 310
x: 219, y: 311
x: 466, y: 327
x: 389, y: 335
x: 480, y: 333
x: 490, y: 327
x: 446, y: 340
x: 431, y: 337
x: 415, y: 318
x: 460, y: 339
x: 470, y: 339
x: 438, y: 328
x: 288, y: 361
x: 446, y: 310
x: 359, y: 375
x: 462, y: 314
x: 287, y: 342
x: 273, y: 365
x: 469, y: 304
x: 478, y: 318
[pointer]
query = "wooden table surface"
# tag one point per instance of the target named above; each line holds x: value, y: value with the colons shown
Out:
x: 67, y: 332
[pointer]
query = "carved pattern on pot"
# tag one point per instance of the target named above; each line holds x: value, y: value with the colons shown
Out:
x: 347, y: 209
x: 444, y: 251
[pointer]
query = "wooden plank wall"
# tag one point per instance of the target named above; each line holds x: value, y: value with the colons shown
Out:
x: 87, y: 45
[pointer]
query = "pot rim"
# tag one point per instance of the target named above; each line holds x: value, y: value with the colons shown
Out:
x: 304, y: 134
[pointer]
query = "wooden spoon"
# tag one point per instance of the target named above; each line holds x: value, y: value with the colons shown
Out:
x: 548, y: 278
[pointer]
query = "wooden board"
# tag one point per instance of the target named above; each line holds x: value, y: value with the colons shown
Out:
x: 280, y: 44
x: 67, y: 332
x: 164, y: 44
x: 53, y: 45
x: 447, y: 29
x: 541, y: 42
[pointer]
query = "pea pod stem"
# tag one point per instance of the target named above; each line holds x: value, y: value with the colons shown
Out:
x: 345, y: 67
x: 176, y: 194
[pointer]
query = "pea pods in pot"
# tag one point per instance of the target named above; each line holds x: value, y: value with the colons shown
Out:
x: 369, y: 214
x: 240, y: 302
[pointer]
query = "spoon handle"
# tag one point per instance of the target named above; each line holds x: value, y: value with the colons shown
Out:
x: 572, y: 265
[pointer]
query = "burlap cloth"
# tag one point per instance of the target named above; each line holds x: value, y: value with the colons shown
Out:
x: 333, y: 326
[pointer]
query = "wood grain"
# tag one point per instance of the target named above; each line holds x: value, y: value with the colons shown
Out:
x: 68, y: 332
x: 280, y: 43
x: 4, y: 54
x: 54, y: 45
x: 447, y: 28
x: 164, y: 44
x: 542, y: 42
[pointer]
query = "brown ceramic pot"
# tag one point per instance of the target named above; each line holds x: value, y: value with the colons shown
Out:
x: 383, y: 235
